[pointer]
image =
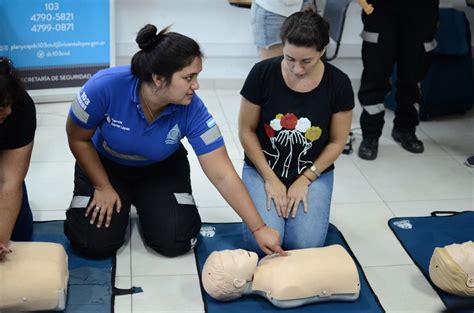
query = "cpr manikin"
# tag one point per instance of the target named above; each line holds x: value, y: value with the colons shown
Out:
x: 33, y: 277
x: 304, y: 276
x: 452, y: 268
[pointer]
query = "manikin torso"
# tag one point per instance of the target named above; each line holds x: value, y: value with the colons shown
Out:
x: 34, y: 277
x: 326, y: 272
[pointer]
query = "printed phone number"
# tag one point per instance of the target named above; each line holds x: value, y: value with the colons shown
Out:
x: 50, y: 17
x: 46, y: 28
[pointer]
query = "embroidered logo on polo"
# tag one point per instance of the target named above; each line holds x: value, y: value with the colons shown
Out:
x: 174, y: 135
x: 291, y: 138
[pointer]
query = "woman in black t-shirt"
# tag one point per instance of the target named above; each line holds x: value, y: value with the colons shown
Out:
x: 294, y: 120
x: 17, y: 129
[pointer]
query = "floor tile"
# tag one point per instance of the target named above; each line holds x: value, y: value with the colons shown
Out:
x: 51, y: 145
x: 364, y: 226
x: 123, y: 304
x: 403, y: 288
x: 424, y: 208
x: 167, y: 293
x: 417, y: 178
x: 219, y: 215
x: 124, y: 256
x: 52, y: 114
x: 147, y: 262
x: 50, y: 185
x: 454, y: 133
x: 349, y: 183
x: 43, y: 215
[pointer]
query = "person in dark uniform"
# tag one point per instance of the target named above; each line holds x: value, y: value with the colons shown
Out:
x: 17, y: 130
x: 125, y: 129
x: 397, y: 32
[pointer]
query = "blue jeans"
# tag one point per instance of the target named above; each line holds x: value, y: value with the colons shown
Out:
x: 23, y: 229
x: 306, y: 230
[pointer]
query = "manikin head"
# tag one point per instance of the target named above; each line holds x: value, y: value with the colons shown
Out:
x: 226, y: 273
x: 452, y: 268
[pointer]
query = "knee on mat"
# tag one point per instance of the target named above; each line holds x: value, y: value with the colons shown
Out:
x: 95, y: 251
x: 170, y: 249
x: 90, y: 247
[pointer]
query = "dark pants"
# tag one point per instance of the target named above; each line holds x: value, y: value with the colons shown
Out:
x: 23, y: 229
x: 161, y: 192
x: 402, y: 33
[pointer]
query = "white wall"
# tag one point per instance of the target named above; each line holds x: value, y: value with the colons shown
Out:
x: 221, y: 29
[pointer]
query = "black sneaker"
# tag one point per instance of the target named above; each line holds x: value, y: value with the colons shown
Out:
x: 409, y: 141
x: 368, y: 149
x: 470, y: 161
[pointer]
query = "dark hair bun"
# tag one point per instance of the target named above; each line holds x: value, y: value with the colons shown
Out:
x: 6, y: 67
x: 146, y: 37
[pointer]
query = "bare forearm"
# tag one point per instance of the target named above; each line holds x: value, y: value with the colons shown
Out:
x: 88, y: 159
x: 253, y: 150
x: 10, y: 202
x: 329, y: 155
x: 362, y: 3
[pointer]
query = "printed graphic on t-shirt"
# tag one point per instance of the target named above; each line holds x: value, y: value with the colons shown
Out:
x: 291, y: 138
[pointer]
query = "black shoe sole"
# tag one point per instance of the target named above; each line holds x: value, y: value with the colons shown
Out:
x: 397, y: 139
x: 367, y: 157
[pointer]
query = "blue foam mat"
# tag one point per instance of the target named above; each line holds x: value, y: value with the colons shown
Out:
x: 90, y: 281
x: 421, y: 235
x: 229, y: 236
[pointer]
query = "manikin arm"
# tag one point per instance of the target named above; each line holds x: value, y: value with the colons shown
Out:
x: 368, y: 8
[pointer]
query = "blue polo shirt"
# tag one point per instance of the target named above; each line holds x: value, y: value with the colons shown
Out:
x: 110, y: 103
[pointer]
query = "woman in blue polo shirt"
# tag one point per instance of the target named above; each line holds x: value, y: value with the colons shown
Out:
x: 125, y: 129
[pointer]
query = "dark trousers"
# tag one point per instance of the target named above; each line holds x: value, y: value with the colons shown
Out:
x: 23, y: 229
x: 161, y: 193
x: 402, y: 33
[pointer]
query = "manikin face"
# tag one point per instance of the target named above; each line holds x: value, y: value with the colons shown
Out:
x: 183, y: 83
x: 240, y: 264
x: 4, y: 112
x: 301, y: 61
x: 463, y: 255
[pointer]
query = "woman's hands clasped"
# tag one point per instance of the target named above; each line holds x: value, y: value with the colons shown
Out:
x: 287, y: 200
x: 276, y: 191
x: 298, y: 192
x: 102, y: 206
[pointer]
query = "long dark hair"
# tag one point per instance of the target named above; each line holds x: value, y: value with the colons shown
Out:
x: 162, y: 54
x: 11, y: 86
x: 305, y: 29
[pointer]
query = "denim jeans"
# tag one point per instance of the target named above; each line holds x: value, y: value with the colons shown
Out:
x: 23, y: 229
x: 306, y: 230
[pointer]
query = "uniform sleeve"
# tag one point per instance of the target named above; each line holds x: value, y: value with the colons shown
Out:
x: 252, y: 89
x: 202, y: 131
x: 344, y: 95
x: 89, y: 106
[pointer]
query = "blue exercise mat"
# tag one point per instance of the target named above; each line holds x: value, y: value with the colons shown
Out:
x: 421, y: 235
x: 229, y: 236
x: 90, y: 281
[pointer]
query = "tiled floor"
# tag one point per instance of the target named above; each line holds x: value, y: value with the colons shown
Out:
x: 366, y: 195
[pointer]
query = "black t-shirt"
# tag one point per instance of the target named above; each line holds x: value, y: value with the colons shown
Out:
x: 19, y: 127
x: 294, y: 126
